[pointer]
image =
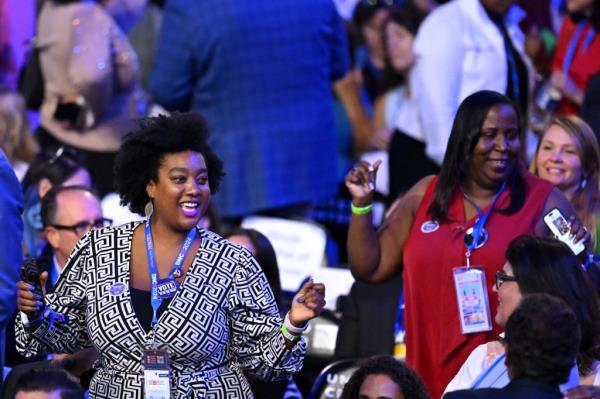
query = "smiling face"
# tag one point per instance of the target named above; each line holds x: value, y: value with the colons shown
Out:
x: 558, y: 160
x: 399, y: 47
x: 509, y: 297
x: 181, y: 193
x: 379, y: 386
x: 497, y: 149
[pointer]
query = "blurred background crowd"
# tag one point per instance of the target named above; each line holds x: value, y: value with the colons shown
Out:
x: 295, y: 93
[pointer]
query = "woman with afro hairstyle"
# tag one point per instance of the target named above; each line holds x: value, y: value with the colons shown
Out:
x: 166, y: 284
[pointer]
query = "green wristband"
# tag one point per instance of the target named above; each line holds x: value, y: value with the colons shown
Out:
x: 288, y: 335
x: 361, y: 210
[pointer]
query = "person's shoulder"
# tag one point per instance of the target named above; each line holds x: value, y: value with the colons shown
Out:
x: 444, y: 26
x: 567, y: 27
x: 422, y: 187
x: 214, y: 240
x: 535, y: 183
x: 475, y: 394
x: 448, y: 14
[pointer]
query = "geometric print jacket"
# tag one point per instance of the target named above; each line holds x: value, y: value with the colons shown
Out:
x: 222, y: 321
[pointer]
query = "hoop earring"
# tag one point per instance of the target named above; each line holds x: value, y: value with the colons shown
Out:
x: 148, y: 209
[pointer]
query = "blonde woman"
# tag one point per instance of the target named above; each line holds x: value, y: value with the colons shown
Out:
x: 568, y: 155
x: 16, y: 139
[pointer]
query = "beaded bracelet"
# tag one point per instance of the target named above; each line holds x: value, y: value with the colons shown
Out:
x: 361, y: 210
x: 292, y: 328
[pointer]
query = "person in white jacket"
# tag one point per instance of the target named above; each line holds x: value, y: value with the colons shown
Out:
x: 461, y: 49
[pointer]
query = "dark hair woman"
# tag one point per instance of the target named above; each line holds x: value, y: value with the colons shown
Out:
x: 166, y: 285
x: 541, y: 265
x: 467, y: 215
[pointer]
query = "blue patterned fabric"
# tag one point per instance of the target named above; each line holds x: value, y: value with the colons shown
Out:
x: 260, y: 71
x: 222, y: 322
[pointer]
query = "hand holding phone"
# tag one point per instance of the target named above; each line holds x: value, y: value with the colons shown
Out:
x: 30, y: 299
x: 559, y: 226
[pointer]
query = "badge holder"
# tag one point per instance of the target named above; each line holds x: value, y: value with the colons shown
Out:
x: 156, y: 374
x: 472, y: 299
x: 469, y: 281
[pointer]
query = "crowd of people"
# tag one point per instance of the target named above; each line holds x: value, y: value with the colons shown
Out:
x: 473, y: 123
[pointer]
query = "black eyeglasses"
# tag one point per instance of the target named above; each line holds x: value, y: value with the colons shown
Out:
x: 502, y: 277
x: 80, y: 228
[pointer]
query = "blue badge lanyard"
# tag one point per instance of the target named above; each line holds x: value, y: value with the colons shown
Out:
x: 155, y: 301
x: 572, y: 49
x: 480, y: 223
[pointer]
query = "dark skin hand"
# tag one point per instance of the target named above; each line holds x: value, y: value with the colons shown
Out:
x: 27, y: 301
x: 307, y: 304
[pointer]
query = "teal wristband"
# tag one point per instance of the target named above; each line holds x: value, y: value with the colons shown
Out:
x: 361, y: 210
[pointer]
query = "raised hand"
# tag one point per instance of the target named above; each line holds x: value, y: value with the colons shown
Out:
x: 29, y: 301
x: 360, y: 181
x: 307, y: 304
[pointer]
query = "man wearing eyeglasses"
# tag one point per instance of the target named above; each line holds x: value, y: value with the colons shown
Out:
x: 68, y: 213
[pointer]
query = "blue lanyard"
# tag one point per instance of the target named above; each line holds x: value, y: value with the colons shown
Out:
x: 155, y: 301
x: 572, y: 49
x: 480, y: 223
x: 399, y: 326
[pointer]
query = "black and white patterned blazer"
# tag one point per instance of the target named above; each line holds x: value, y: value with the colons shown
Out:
x: 223, y: 320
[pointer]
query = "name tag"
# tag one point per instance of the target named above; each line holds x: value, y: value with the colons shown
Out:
x: 472, y: 299
x: 156, y: 374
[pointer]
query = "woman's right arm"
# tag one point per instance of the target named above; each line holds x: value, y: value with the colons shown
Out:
x: 376, y: 256
x: 46, y: 334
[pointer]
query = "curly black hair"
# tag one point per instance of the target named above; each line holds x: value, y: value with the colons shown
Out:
x: 409, y: 382
x: 542, y: 337
x: 143, y: 152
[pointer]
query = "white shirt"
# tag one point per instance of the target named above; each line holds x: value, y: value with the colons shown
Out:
x: 459, y: 51
x: 402, y: 112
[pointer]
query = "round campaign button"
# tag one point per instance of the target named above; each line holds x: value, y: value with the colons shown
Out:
x: 117, y: 289
x: 430, y: 226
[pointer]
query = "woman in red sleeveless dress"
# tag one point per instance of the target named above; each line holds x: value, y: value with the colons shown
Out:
x: 424, y: 234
